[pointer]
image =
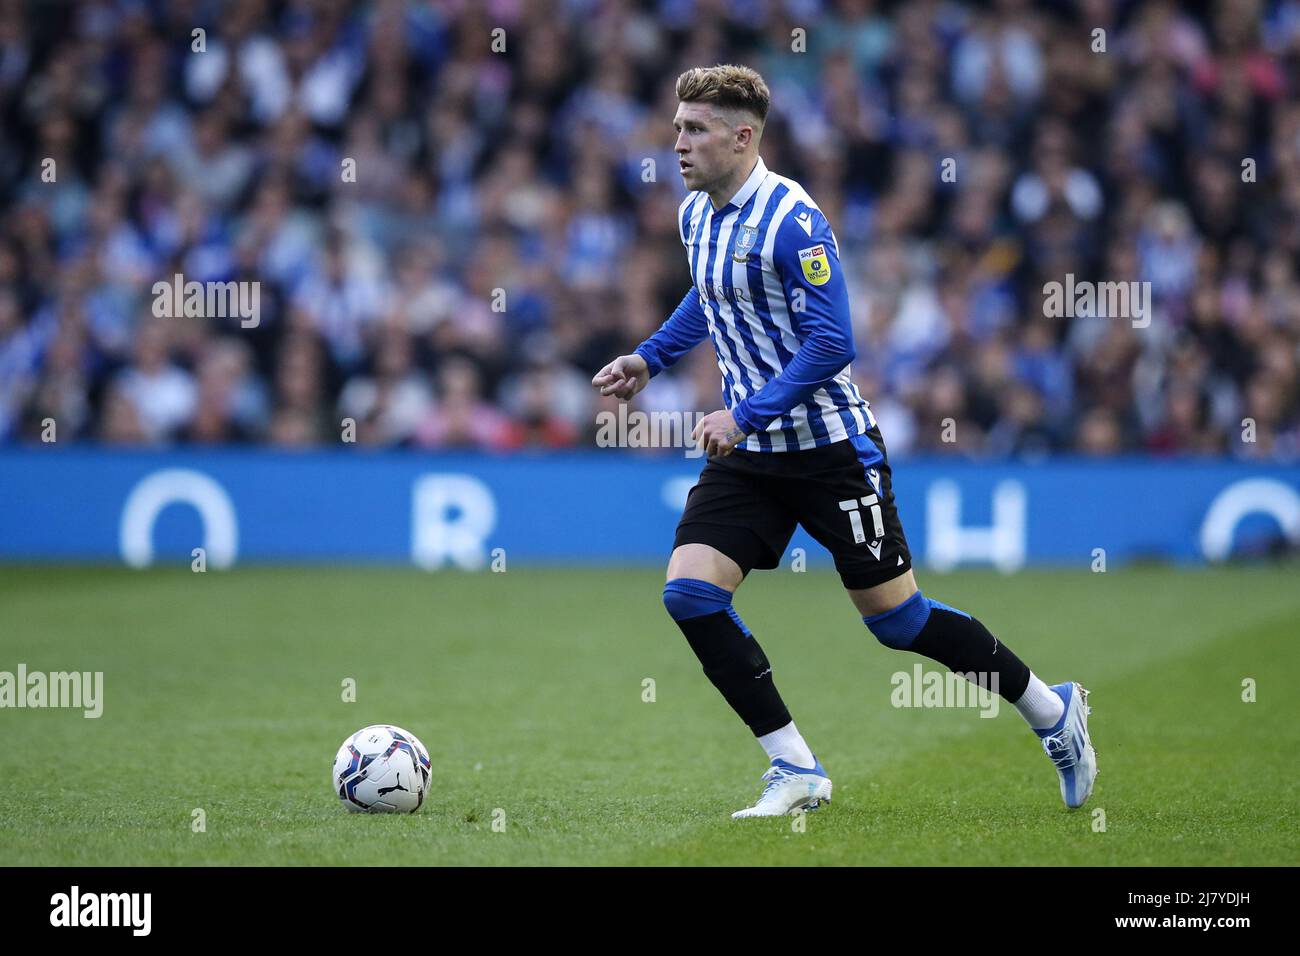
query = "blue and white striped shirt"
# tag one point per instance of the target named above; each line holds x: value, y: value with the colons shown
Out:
x: 769, y: 291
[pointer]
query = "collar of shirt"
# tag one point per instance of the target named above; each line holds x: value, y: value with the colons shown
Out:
x: 747, y: 190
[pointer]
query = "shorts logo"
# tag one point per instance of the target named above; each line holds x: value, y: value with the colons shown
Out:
x: 816, y: 266
x: 744, y: 242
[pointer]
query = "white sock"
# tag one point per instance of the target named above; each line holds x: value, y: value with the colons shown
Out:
x: 788, y: 744
x: 1040, y: 705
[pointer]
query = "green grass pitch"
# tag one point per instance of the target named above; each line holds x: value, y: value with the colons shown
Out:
x: 223, y: 692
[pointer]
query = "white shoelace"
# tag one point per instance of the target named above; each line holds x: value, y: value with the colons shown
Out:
x: 1060, y: 747
x: 774, y: 777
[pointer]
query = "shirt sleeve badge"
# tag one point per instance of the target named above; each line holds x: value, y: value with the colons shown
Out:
x: 816, y: 265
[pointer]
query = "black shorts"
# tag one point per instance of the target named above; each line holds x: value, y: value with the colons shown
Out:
x: 747, y: 504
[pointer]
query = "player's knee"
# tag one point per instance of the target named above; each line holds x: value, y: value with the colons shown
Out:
x: 898, y: 628
x: 685, y: 598
x: 702, y: 562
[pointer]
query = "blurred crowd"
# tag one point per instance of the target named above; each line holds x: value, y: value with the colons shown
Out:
x: 510, y: 224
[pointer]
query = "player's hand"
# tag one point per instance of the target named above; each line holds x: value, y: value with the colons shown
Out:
x: 623, y: 377
x: 718, y: 433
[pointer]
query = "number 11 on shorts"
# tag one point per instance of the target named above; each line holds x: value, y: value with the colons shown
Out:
x: 855, y: 517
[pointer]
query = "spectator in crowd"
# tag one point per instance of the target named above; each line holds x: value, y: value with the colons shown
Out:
x: 449, y: 237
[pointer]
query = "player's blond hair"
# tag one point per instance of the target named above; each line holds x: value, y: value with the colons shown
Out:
x: 727, y: 86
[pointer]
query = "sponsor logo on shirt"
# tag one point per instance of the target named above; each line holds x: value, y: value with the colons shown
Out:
x: 816, y: 266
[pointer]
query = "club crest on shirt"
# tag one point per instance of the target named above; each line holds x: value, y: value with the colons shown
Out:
x: 816, y: 266
x: 745, y: 240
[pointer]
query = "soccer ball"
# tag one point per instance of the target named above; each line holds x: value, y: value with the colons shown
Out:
x: 382, y: 769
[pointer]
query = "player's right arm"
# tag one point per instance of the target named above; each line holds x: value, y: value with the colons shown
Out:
x: 683, y: 330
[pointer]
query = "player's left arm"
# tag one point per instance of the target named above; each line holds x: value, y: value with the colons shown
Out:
x: 817, y: 299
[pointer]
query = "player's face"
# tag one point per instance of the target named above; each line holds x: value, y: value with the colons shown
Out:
x: 705, y: 146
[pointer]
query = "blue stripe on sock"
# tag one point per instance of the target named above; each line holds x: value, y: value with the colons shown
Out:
x: 944, y: 607
x: 739, y: 623
x: 686, y: 598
